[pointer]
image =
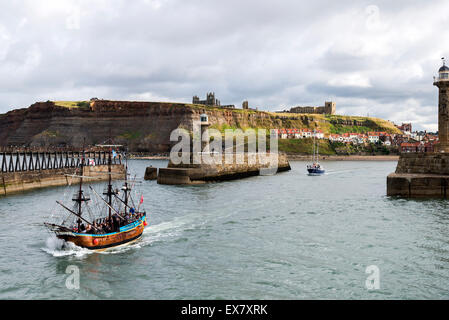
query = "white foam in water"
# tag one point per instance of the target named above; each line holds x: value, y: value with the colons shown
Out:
x: 337, y: 172
x: 59, y: 248
x: 151, y: 234
x: 159, y: 232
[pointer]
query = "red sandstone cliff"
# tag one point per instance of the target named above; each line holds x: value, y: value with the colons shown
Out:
x: 142, y: 126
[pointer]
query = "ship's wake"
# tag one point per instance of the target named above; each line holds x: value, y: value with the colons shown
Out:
x: 338, y: 172
x: 152, y: 234
x: 60, y: 248
x: 164, y: 231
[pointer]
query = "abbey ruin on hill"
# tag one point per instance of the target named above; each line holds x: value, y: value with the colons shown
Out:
x: 329, y: 108
x: 212, y: 102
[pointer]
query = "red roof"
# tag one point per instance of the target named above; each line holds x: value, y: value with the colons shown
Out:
x: 409, y: 144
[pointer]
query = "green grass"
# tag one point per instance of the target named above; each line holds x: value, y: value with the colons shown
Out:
x: 215, y: 108
x: 339, y: 129
x: 223, y: 127
x: 329, y: 123
x: 72, y: 104
x: 304, y: 146
x: 50, y: 133
x: 130, y: 135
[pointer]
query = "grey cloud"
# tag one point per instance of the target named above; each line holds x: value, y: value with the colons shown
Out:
x: 274, y: 53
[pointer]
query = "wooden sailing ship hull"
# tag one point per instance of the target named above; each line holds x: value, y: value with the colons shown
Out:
x: 127, y: 234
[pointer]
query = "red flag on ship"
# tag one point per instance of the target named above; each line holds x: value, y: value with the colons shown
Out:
x: 141, y: 199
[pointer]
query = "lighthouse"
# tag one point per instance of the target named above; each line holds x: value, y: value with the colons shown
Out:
x: 442, y: 82
x: 204, y: 121
x: 426, y: 175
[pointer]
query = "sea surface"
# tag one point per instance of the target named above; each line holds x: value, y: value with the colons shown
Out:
x: 288, y: 236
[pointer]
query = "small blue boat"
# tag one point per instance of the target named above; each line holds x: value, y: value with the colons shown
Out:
x: 315, y: 169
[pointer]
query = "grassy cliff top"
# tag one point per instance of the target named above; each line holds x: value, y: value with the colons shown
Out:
x: 327, y: 123
x: 337, y: 124
x: 71, y: 104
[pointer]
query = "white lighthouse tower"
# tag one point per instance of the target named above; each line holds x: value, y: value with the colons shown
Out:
x: 442, y: 82
x: 204, y: 121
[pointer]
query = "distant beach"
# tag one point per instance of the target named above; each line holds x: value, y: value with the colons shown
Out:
x: 346, y: 158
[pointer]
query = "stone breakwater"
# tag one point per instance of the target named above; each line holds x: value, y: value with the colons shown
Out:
x: 14, y: 182
x: 420, y: 175
x: 221, y: 169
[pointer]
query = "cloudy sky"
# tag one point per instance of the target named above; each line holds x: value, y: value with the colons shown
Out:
x: 370, y: 57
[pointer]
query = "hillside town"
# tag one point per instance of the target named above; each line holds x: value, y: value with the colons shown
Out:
x: 407, y: 141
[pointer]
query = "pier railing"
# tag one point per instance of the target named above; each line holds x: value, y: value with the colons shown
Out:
x: 35, y: 161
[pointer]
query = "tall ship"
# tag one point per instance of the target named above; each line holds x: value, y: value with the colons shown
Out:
x: 315, y: 169
x: 113, y: 221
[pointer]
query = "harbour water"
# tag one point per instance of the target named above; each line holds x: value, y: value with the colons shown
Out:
x: 288, y: 236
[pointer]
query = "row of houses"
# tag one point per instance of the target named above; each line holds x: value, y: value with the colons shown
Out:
x: 299, y: 133
x: 404, y: 142
x: 354, y: 138
x: 362, y: 138
x: 421, y: 146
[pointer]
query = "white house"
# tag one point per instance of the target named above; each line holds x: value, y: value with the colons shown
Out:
x: 373, y: 138
x: 319, y: 134
x: 306, y: 133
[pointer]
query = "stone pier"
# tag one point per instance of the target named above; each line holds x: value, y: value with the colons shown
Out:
x: 427, y: 174
x: 14, y: 182
x: 150, y: 173
x: 219, y: 170
x: 420, y: 175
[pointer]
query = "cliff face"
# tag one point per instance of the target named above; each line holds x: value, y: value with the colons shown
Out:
x: 142, y: 126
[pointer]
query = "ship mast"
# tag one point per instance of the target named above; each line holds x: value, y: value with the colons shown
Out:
x: 110, y: 186
x: 109, y: 192
x: 126, y: 183
x: 314, y: 147
x: 79, y: 199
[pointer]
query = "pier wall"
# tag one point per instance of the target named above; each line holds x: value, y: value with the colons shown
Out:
x: 420, y: 175
x: 150, y: 173
x: 14, y: 182
x: 424, y: 163
x: 219, y: 170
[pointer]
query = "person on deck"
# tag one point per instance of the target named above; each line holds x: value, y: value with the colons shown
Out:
x: 115, y: 223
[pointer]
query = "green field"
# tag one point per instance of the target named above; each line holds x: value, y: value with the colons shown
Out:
x: 72, y: 104
x: 305, y: 146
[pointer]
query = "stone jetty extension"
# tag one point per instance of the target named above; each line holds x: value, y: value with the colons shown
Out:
x: 420, y: 175
x: 218, y: 170
x: 150, y: 173
x: 13, y: 182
